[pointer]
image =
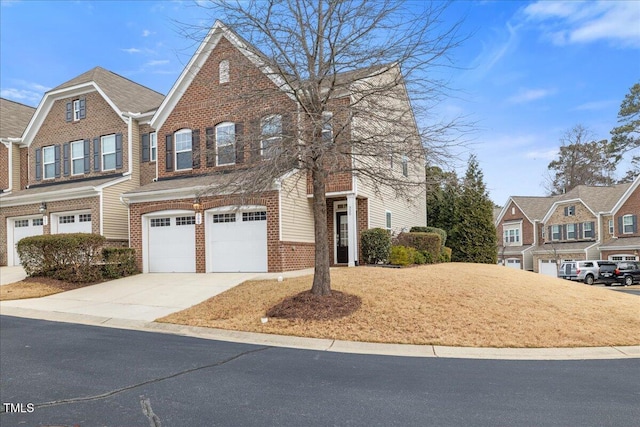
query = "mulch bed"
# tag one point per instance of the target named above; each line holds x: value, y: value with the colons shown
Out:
x: 306, y: 306
x: 55, y: 283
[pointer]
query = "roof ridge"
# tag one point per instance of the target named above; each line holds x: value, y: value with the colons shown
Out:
x: 16, y: 102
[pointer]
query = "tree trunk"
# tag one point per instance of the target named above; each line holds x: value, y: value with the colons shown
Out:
x: 321, y: 276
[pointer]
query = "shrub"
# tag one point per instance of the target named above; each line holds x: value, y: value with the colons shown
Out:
x: 427, y: 243
x: 376, y: 243
x: 445, y: 255
x: 442, y: 233
x: 72, y: 257
x: 401, y: 255
x: 419, y: 258
x: 118, y: 262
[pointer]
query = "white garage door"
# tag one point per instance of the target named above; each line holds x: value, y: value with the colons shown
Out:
x: 513, y: 263
x: 237, y: 241
x: 171, y: 244
x: 73, y: 223
x: 24, y: 228
x: 548, y: 268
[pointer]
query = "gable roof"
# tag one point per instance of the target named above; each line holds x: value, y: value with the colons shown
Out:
x: 122, y: 94
x: 598, y: 199
x: 199, y: 58
x: 533, y: 207
x: 633, y: 187
x: 14, y: 118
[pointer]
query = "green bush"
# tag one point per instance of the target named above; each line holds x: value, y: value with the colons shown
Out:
x: 445, y: 255
x: 118, y: 262
x: 375, y: 243
x: 419, y: 258
x: 439, y: 231
x: 401, y: 255
x: 71, y: 257
x: 427, y: 243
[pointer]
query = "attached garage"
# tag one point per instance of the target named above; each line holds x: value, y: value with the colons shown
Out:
x: 169, y: 242
x: 71, y: 222
x: 237, y: 240
x: 514, y: 263
x: 548, y: 267
x: 20, y: 228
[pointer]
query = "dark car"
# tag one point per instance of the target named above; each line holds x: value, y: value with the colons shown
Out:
x: 607, y: 273
x: 627, y: 273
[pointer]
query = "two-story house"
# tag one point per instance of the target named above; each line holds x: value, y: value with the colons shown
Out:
x: 14, y: 118
x: 623, y: 232
x: 575, y: 226
x: 518, y: 228
x: 213, y: 127
x: 80, y: 152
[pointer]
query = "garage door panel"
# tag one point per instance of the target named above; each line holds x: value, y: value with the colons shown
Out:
x: 237, y: 242
x: 548, y: 268
x: 74, y: 223
x: 22, y: 228
x: 171, y: 244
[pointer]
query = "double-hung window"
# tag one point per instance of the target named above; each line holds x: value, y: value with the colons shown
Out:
x: 627, y: 224
x: 571, y: 231
x: 271, y: 135
x: 327, y: 126
x: 108, y: 152
x: 184, y: 159
x: 76, y: 110
x: 49, y: 162
x: 153, y: 146
x: 587, y: 230
x: 225, y: 144
x: 77, y: 158
x: 388, y: 220
x: 555, y: 232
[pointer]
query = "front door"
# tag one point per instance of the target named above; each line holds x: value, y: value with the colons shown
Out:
x: 342, y: 238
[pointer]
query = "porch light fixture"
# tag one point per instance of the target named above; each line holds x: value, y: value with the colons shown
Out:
x: 196, y: 204
x: 43, y: 207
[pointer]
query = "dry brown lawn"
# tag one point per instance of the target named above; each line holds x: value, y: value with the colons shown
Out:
x: 451, y: 304
x: 36, y: 287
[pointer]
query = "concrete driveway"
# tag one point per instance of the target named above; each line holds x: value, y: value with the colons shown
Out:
x: 11, y: 275
x: 143, y: 297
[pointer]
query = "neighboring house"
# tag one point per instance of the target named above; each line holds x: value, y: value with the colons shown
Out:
x: 623, y: 232
x: 81, y: 152
x: 575, y: 226
x: 180, y: 223
x: 518, y: 227
x: 14, y: 118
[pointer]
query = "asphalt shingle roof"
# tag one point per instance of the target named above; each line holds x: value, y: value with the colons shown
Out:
x: 14, y: 118
x: 127, y: 95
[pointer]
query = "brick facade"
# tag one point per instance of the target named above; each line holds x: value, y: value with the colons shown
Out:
x: 100, y: 120
x: 514, y: 214
x: 147, y: 169
x: 4, y: 166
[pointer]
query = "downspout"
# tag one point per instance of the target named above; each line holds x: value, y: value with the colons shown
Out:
x: 129, y: 117
x: 126, y: 203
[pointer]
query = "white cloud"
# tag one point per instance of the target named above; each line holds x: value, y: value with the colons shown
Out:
x: 157, y: 62
x: 549, y: 154
x: 131, y: 50
x: 528, y: 95
x: 585, y: 22
x: 595, y: 105
x: 21, y: 95
x: 146, y: 33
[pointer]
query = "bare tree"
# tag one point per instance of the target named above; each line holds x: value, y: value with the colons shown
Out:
x: 581, y: 161
x: 362, y: 76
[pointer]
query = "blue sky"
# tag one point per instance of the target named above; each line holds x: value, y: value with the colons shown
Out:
x: 529, y: 72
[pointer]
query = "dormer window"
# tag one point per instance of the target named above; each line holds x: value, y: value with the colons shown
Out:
x: 570, y: 210
x: 223, y: 71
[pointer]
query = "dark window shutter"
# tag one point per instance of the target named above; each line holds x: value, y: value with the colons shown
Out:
x: 593, y: 229
x: 83, y: 108
x: 239, y: 143
x: 635, y: 223
x: 254, y: 144
x: 566, y: 211
x: 289, y: 138
x: 549, y: 235
x: 69, y: 116
x: 579, y: 231
x: 564, y: 232
x: 96, y: 154
x: 195, y: 148
x: 210, y: 147
x: 87, y: 162
x: 169, y: 153
x: 118, y: 151
x: 38, y: 164
x: 66, y: 169
x: 56, y: 153
x: 620, y: 230
x: 145, y: 147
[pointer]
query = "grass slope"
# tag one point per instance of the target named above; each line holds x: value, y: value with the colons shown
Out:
x: 451, y: 304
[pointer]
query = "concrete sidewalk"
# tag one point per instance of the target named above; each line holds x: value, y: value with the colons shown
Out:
x: 144, y: 297
x: 11, y: 275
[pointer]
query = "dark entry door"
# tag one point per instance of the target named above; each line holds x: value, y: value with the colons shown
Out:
x: 342, y: 239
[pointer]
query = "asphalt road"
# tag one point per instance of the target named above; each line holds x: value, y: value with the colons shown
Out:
x: 72, y: 375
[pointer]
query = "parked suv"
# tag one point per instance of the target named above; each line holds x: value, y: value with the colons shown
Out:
x: 585, y: 271
x: 627, y: 273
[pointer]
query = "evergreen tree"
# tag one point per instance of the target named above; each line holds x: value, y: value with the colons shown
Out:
x: 442, y: 191
x: 473, y: 234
